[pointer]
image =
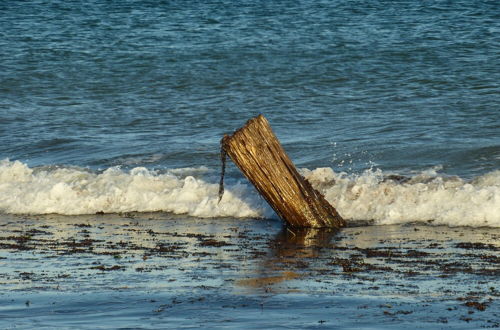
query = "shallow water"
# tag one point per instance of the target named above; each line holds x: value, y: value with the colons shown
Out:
x: 155, y: 270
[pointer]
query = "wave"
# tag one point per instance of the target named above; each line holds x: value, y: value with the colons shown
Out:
x: 74, y: 191
x: 373, y: 195
x: 426, y: 197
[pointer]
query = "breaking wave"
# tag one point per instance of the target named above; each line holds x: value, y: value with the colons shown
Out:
x: 373, y: 195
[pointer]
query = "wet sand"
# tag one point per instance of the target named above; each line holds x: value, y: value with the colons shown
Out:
x: 164, y: 271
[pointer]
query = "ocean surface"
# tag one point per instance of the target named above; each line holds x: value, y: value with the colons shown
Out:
x: 390, y: 108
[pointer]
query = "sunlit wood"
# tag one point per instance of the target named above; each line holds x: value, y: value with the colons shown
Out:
x: 255, y: 149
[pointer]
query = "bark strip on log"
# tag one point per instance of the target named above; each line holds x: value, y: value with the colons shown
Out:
x: 259, y: 155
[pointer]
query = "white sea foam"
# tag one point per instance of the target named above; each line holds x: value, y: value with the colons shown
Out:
x: 427, y: 197
x: 74, y: 191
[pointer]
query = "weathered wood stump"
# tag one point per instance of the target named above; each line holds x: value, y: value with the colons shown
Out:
x: 259, y: 155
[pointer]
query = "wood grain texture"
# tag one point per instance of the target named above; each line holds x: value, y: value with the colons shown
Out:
x: 255, y: 149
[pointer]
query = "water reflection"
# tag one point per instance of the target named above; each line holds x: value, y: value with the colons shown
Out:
x: 299, y: 243
x: 288, y: 258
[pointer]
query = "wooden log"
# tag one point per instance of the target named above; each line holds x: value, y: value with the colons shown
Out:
x: 259, y: 155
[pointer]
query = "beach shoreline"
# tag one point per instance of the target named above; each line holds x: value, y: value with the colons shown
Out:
x: 150, y: 270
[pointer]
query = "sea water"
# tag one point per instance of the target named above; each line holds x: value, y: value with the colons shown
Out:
x: 390, y: 108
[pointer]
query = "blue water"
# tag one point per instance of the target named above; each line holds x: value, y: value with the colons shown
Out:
x: 119, y: 106
x: 400, y: 86
x: 404, y: 85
